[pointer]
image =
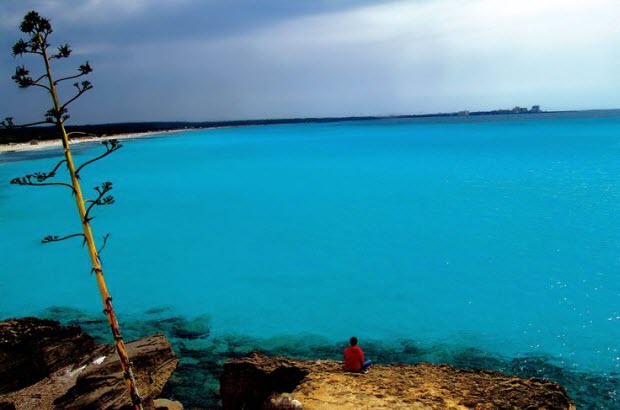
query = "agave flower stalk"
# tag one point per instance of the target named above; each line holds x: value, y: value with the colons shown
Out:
x: 39, y: 28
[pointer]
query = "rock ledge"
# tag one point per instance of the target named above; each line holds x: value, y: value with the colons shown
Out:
x: 261, y: 382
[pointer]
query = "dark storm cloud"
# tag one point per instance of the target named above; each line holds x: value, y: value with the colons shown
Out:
x: 152, y: 21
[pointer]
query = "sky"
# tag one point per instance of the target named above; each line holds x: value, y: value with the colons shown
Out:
x: 209, y: 60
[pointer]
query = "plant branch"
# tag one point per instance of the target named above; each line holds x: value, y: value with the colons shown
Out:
x: 41, y: 85
x: 69, y: 78
x: 40, y: 78
x: 24, y: 80
x: 32, y: 52
x: 101, y: 199
x: 83, y: 69
x: 9, y: 124
x: 50, y: 238
x: 82, y: 88
x: 42, y: 176
x: 75, y: 97
x: 105, y: 242
x: 110, y: 145
x: 27, y: 180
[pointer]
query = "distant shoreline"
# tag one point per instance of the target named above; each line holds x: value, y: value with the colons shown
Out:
x: 37, y: 138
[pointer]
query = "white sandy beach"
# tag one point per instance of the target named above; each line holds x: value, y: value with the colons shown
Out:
x: 38, y: 145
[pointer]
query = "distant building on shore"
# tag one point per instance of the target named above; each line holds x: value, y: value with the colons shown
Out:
x: 522, y: 110
x: 516, y: 110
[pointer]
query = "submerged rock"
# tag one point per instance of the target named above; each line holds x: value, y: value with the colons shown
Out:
x: 45, y: 365
x: 258, y: 382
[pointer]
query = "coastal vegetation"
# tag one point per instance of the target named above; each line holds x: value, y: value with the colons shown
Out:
x: 45, y: 133
x: 38, y: 29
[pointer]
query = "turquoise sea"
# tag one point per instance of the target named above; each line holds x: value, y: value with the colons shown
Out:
x: 488, y: 242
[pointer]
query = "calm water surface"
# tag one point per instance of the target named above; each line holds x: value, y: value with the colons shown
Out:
x: 497, y: 233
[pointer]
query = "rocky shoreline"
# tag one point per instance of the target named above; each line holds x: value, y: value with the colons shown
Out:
x: 44, y: 365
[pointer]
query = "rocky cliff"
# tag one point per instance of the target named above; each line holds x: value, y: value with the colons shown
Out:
x: 47, y: 366
x: 261, y: 382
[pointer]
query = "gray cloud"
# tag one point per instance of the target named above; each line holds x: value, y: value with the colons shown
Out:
x: 209, y: 60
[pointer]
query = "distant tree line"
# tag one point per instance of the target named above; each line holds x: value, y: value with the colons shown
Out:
x: 43, y: 133
x: 16, y: 135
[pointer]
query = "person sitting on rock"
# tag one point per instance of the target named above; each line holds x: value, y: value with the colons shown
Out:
x: 354, y: 358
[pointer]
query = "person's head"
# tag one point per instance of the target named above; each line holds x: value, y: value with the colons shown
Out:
x: 353, y: 341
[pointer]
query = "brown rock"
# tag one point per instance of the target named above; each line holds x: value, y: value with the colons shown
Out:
x: 31, y: 349
x: 103, y: 386
x: 63, y: 368
x: 256, y: 382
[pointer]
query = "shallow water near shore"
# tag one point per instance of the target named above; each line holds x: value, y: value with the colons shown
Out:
x: 482, y: 242
x: 202, y: 356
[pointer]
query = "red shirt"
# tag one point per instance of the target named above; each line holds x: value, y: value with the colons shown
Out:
x: 353, y: 358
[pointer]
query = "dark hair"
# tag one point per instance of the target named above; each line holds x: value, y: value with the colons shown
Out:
x: 353, y: 341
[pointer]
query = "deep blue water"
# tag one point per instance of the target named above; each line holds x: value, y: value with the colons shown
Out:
x: 496, y: 236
